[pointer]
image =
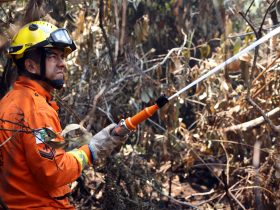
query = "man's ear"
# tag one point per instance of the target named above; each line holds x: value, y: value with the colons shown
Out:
x: 31, y: 66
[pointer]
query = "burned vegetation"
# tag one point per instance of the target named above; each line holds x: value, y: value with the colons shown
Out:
x: 215, y: 146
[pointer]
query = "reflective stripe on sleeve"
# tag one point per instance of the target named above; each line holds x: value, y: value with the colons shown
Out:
x: 81, y: 156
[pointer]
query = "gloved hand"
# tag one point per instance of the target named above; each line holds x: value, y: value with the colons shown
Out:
x: 102, y: 144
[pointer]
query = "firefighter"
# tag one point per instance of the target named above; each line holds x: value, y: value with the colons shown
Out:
x: 33, y: 174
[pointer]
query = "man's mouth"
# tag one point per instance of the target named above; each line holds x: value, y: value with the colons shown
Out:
x: 60, y: 72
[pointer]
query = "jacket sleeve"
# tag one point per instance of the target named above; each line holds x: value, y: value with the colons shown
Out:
x: 53, y: 168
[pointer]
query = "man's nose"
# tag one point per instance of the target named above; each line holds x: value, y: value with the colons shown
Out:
x: 61, y: 62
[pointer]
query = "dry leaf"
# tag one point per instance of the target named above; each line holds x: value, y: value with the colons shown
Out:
x: 69, y: 128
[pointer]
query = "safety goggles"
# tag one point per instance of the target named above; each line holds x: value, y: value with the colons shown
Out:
x: 60, y: 38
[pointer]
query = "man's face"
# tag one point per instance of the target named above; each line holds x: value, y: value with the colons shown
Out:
x: 55, y: 64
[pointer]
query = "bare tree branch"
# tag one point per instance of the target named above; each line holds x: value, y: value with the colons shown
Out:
x: 265, y: 117
x: 101, y: 14
x: 252, y: 123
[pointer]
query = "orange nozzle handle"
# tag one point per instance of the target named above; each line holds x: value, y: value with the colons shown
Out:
x: 132, y: 122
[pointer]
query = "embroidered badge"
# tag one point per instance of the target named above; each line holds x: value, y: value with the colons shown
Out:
x: 40, y: 135
x: 48, y: 153
x: 44, y: 135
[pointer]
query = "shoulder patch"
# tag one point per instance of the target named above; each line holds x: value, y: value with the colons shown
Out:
x: 44, y: 135
x: 48, y: 153
x: 40, y: 135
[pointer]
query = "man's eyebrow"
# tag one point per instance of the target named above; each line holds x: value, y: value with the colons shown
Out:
x: 50, y: 52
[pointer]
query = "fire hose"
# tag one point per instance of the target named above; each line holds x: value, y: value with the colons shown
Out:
x: 129, y: 124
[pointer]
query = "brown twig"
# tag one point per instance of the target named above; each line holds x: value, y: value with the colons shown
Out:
x: 266, y: 12
x: 33, y: 11
x: 15, y: 130
x: 101, y: 14
x: 236, y: 200
x: 266, y: 118
x: 266, y: 69
x: 252, y: 123
x: 5, y: 13
x: 67, y: 108
x: 256, y: 164
x: 258, y: 91
x: 172, y: 199
x: 226, y: 188
x: 266, y: 150
x: 3, y: 205
x: 90, y: 115
x: 15, y: 123
x: 252, y: 187
x: 258, y: 35
x: 249, y: 7
x: 170, y: 179
x: 9, y: 139
x: 262, y: 88
x: 117, y: 44
x: 227, y: 166
x: 249, y: 23
x: 124, y: 8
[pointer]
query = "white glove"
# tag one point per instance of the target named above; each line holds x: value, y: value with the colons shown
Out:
x: 102, y: 144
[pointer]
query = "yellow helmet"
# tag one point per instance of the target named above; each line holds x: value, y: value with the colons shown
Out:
x: 40, y: 34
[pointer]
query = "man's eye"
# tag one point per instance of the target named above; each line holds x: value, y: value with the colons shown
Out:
x: 52, y: 56
x: 55, y: 57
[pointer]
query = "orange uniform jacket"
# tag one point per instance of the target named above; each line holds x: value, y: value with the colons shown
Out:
x: 33, y: 175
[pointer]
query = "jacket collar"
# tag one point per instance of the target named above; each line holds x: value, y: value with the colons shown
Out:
x: 23, y: 81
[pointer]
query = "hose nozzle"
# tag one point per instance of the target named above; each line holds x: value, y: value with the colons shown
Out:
x: 130, y: 123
